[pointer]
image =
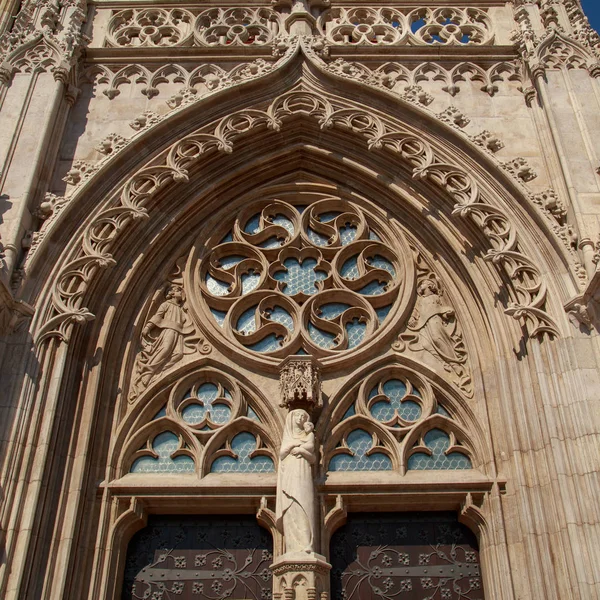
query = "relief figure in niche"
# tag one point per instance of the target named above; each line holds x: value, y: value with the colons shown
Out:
x: 295, y: 510
x: 433, y: 327
x: 162, y: 340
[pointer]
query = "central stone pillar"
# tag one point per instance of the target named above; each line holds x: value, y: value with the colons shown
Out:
x: 299, y: 573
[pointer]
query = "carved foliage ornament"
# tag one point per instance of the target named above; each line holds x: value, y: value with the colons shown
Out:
x: 310, y: 274
x: 72, y: 281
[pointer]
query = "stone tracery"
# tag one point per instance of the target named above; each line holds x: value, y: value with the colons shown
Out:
x: 312, y: 275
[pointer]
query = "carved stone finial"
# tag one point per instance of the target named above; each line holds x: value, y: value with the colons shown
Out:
x: 300, y: 383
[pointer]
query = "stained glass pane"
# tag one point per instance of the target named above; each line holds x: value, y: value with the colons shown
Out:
x: 243, y: 444
x: 269, y: 343
x: 347, y: 234
x: 382, y: 263
x: 247, y: 322
x: 438, y: 442
x: 215, y: 286
x: 161, y: 413
x: 218, y: 413
x: 253, y: 225
x: 227, y: 262
x: 199, y: 557
x: 219, y: 316
x: 349, y: 413
x: 328, y: 216
x: 405, y: 556
x: 383, y: 312
x: 164, y: 445
x: 249, y: 282
x: 279, y: 315
x: 323, y: 339
x: 317, y: 239
x: 395, y: 390
x: 252, y: 415
x: 356, y: 333
x: 283, y: 221
x: 442, y: 411
x: 360, y: 442
x: 300, y: 277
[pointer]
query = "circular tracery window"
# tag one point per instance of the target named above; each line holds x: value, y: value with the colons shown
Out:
x: 304, y: 273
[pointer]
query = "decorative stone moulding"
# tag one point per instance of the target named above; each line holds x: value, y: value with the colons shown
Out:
x: 396, y: 76
x: 394, y: 27
x: 198, y: 81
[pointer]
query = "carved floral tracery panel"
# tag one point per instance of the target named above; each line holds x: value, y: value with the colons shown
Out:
x: 396, y: 420
x: 309, y: 275
x: 206, y: 425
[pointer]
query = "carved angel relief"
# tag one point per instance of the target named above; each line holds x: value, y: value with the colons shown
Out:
x: 166, y: 337
x: 433, y: 329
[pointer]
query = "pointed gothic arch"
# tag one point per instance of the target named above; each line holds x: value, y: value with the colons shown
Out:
x: 318, y: 127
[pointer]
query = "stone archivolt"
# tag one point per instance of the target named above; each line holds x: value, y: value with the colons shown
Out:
x: 417, y: 154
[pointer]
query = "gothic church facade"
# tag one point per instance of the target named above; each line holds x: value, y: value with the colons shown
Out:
x: 299, y: 300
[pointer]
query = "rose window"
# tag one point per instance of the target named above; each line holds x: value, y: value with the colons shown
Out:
x: 284, y: 277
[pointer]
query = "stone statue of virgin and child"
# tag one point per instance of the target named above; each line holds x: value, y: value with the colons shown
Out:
x: 295, y: 509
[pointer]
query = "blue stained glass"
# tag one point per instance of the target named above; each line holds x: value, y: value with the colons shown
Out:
x: 215, y: 286
x: 218, y: 413
x: 356, y: 333
x: 350, y: 269
x: 252, y: 415
x: 272, y: 242
x: 375, y: 288
x: 382, y: 263
x: 219, y: 316
x: 332, y: 310
x: 438, y: 442
x: 373, y: 236
x: 360, y: 442
x: 243, y: 444
x: 300, y: 277
x: 347, y: 234
x: 247, y: 322
x: 349, y: 413
x: 270, y: 343
x: 383, y: 312
x: 328, y: 216
x: 302, y: 351
x: 249, y: 282
x: 253, y: 225
x: 322, y: 339
x: 161, y: 413
x: 229, y: 261
x: 317, y: 239
x: 442, y: 411
x: 283, y: 221
x: 395, y: 390
x: 227, y: 238
x: 279, y: 315
x: 164, y: 444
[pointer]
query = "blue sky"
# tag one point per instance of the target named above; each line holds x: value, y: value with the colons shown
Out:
x: 592, y: 10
